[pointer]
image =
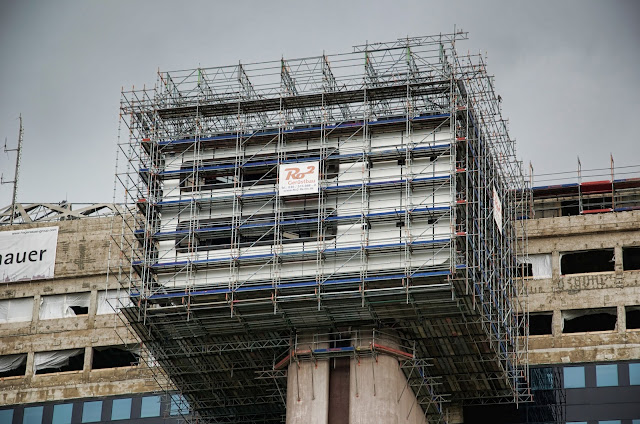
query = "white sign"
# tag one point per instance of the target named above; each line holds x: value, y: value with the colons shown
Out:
x: 298, y: 178
x: 497, y: 210
x: 28, y: 254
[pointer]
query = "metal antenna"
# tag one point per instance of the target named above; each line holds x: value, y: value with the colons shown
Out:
x: 14, y: 199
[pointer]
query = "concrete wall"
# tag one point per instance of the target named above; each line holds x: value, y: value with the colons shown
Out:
x: 616, y: 289
x: 81, y: 266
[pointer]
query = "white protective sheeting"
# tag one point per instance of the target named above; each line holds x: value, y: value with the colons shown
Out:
x: 59, y: 305
x: 16, y: 310
x: 541, y: 265
x: 11, y: 362
x: 55, y: 359
x: 28, y: 254
x: 110, y: 301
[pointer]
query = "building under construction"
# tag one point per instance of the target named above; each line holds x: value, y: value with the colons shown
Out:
x: 332, y: 239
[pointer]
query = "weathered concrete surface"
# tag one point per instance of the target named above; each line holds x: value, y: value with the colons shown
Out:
x: 81, y: 266
x: 616, y: 289
x: 308, y: 392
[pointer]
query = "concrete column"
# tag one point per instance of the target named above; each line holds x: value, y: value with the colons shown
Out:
x: 556, y: 323
x: 35, y: 313
x: 555, y: 269
x: 88, y: 359
x: 308, y: 390
x: 618, y: 258
x: 622, y: 319
x: 29, y: 372
x: 93, y: 308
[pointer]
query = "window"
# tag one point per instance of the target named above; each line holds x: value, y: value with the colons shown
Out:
x: 536, y: 266
x: 32, y: 415
x: 121, y: 409
x: 632, y: 314
x: 584, y: 320
x: 6, y: 415
x: 58, y: 361
x: 13, y: 365
x: 62, y: 413
x: 64, y: 305
x: 573, y: 377
x: 601, y: 260
x: 610, y: 422
x: 630, y: 258
x: 540, y: 323
x: 542, y: 379
x: 113, y: 357
x: 606, y: 375
x: 150, y: 407
x: 16, y: 310
x: 179, y: 405
x: 92, y: 411
x: 634, y: 374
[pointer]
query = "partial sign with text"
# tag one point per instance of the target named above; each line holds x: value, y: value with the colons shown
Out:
x: 28, y: 254
x: 298, y: 178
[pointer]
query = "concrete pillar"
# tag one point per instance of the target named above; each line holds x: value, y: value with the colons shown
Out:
x: 378, y: 391
x: 556, y: 323
x: 622, y: 319
x: 93, y: 308
x: 308, y: 390
x: 35, y: 313
x: 29, y: 372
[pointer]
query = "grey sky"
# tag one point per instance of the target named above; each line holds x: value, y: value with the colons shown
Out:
x: 568, y: 72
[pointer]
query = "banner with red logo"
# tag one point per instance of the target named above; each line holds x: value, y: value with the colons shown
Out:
x: 298, y: 178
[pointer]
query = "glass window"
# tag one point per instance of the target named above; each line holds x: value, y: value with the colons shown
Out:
x: 634, y: 374
x: 62, y: 413
x: 635, y: 421
x: 32, y: 415
x: 121, y: 409
x: 92, y: 411
x: 606, y: 375
x: 6, y: 416
x: 610, y: 422
x: 179, y: 405
x: 150, y: 407
x: 573, y: 377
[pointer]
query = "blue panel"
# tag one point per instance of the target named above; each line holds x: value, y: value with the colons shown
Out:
x: 610, y: 422
x: 573, y: 377
x: 32, y: 415
x: 121, y: 409
x: 6, y: 416
x: 92, y: 411
x: 62, y: 413
x: 606, y: 375
x: 150, y: 407
x: 634, y: 374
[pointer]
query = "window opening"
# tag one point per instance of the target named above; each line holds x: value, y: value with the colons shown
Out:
x: 601, y: 260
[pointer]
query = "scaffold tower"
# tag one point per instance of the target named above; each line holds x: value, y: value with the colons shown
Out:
x: 337, y: 197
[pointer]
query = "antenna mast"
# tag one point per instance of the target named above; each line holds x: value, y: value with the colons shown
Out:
x: 14, y: 199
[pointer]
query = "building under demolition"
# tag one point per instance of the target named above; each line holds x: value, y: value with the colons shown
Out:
x: 336, y: 239
x: 309, y: 231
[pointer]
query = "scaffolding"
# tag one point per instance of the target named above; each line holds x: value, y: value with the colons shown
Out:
x: 415, y: 226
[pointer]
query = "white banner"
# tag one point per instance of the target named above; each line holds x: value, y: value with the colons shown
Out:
x: 28, y: 254
x: 298, y: 178
x: 497, y: 210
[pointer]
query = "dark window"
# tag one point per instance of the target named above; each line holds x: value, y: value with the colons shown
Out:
x: 630, y: 258
x: 525, y: 270
x: 570, y: 207
x: 601, y: 260
x: 540, y: 323
x: 633, y: 317
x: 584, y: 320
x: 80, y: 310
x: 112, y: 357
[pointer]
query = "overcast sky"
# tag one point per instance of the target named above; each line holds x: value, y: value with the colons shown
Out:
x: 568, y: 71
